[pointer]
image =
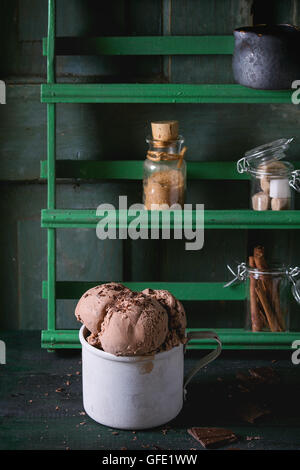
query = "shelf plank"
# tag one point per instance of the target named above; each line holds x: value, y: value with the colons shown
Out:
x: 159, y: 93
x: 213, y: 219
x: 142, y: 45
x: 237, y: 339
x: 181, y: 290
x: 133, y: 170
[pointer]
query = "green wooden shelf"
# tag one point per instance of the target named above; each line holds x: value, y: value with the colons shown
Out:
x: 142, y: 45
x: 159, y: 93
x: 181, y: 290
x: 133, y: 170
x: 237, y: 339
x: 53, y: 218
x: 213, y: 219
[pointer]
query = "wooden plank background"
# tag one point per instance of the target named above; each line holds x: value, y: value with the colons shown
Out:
x: 212, y: 132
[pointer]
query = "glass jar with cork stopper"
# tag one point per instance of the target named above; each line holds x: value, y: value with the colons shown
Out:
x: 164, y: 168
x: 272, y: 179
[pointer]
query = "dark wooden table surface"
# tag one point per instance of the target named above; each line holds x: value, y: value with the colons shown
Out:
x: 41, y: 402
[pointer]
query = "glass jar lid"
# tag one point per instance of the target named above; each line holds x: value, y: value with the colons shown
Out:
x: 291, y: 273
x: 263, y: 154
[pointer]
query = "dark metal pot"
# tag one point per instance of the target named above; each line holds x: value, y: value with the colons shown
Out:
x: 267, y: 57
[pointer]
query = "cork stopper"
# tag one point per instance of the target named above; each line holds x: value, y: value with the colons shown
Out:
x: 165, y: 130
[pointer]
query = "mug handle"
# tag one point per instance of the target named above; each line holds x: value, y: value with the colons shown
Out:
x: 206, y: 359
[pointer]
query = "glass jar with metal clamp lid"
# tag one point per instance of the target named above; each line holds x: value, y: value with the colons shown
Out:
x: 273, y: 180
x: 268, y: 295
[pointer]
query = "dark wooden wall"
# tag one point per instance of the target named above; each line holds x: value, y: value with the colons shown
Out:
x: 212, y: 132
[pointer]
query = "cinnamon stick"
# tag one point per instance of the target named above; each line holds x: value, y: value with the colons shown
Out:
x: 276, y: 303
x: 272, y: 319
x: 260, y: 262
x: 257, y: 321
x: 262, y: 317
x: 274, y: 315
x: 259, y: 258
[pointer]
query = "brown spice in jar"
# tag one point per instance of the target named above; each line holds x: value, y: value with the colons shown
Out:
x: 164, y: 187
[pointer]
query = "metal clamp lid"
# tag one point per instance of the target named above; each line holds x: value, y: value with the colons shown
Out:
x: 294, y: 182
x: 240, y: 276
x: 268, y: 152
x: 292, y: 273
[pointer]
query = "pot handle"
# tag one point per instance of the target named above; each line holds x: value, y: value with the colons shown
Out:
x: 204, y: 360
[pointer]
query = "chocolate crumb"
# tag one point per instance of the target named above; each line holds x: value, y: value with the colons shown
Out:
x: 265, y: 375
x: 251, y: 412
x: 258, y: 376
x: 243, y: 389
x: 242, y: 377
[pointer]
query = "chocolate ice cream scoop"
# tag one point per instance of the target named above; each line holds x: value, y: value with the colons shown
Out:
x: 135, y: 324
x: 127, y: 323
x: 92, y: 307
x: 174, y: 308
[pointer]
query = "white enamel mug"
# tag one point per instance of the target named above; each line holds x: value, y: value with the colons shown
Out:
x: 137, y: 392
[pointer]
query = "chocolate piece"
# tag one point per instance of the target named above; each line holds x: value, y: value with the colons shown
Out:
x: 213, y: 437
